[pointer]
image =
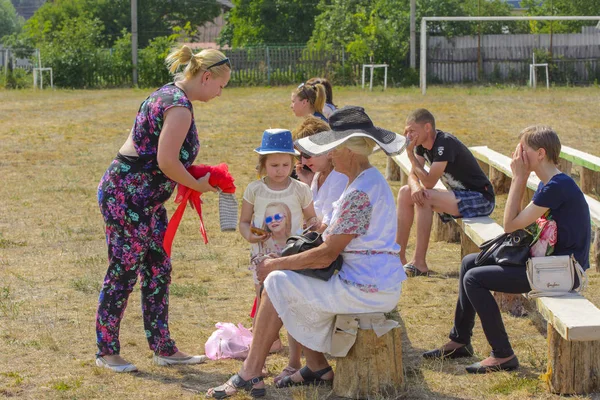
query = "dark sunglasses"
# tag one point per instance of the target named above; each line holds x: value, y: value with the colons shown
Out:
x: 277, y: 217
x: 304, y: 155
x: 223, y: 61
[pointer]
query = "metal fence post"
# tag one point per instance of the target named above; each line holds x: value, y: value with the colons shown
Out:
x: 268, y: 67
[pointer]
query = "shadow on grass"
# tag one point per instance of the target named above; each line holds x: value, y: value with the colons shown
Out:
x: 189, y: 378
x: 415, y: 385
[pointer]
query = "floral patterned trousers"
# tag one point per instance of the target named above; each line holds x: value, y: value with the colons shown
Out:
x: 132, y: 206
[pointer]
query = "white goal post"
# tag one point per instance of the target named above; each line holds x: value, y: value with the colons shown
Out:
x: 424, y: 20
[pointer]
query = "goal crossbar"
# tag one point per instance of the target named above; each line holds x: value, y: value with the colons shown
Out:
x: 425, y: 20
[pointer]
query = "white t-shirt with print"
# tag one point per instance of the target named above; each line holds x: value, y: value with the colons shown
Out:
x: 293, y: 199
x: 329, y: 192
x: 367, y: 209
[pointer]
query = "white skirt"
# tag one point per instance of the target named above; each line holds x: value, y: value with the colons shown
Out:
x: 308, y: 306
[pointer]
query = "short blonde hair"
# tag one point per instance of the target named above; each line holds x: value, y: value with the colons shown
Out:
x: 195, y: 63
x: 360, y: 145
x: 543, y: 137
x: 310, y: 126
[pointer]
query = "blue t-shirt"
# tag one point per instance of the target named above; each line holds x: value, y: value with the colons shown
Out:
x: 319, y: 115
x: 571, y: 213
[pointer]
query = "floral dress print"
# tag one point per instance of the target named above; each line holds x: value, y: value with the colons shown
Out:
x: 131, y: 195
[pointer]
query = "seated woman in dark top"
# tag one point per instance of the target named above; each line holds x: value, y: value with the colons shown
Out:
x: 558, y: 198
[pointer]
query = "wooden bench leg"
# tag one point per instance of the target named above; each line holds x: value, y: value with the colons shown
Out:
x: 596, y: 247
x: 589, y: 181
x: 392, y: 170
x: 466, y: 245
x: 500, y: 182
x: 565, y: 166
x: 373, y: 366
x: 515, y: 304
x: 447, y: 232
x: 573, y: 367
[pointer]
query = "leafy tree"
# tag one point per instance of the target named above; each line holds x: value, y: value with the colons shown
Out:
x: 366, y: 29
x: 380, y: 29
x: 155, y: 17
x: 253, y: 22
x: 10, y: 22
x: 561, y: 7
x: 74, y: 52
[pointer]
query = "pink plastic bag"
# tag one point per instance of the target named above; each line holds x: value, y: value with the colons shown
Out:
x: 228, y: 341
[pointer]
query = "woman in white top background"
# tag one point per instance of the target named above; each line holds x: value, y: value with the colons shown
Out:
x: 326, y: 184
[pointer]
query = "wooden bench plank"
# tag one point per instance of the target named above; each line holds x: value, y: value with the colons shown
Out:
x: 573, y: 316
x: 480, y: 229
x: 502, y: 163
x: 404, y: 162
x: 578, y: 157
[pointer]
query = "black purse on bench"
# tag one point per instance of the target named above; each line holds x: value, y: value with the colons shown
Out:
x: 299, y: 243
x: 507, y: 249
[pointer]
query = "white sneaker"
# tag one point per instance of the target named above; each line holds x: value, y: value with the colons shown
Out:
x: 189, y: 360
x: 101, y: 362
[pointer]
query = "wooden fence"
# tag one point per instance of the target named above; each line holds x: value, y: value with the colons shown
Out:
x: 506, y: 58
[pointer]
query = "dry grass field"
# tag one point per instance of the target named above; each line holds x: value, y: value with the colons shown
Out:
x: 55, y: 146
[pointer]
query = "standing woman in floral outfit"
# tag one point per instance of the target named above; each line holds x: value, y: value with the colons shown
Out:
x: 162, y: 144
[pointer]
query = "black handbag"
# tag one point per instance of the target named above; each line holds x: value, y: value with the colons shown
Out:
x: 299, y: 243
x: 507, y: 249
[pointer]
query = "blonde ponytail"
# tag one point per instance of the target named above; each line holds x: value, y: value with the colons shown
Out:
x: 320, y: 97
x: 194, y: 63
x: 179, y: 57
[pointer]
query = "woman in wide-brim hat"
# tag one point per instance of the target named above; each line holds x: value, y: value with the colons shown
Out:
x: 361, y: 231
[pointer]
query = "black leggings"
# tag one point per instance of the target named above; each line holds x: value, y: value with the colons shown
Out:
x: 474, y: 296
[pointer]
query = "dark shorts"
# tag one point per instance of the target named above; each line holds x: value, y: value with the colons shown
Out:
x: 471, y: 204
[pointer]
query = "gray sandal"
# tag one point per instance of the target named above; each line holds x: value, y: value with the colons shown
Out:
x: 411, y: 271
x: 236, y: 382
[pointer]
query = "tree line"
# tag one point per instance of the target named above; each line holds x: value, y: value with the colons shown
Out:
x: 71, y: 34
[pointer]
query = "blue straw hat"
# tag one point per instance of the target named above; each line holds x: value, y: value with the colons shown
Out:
x: 277, y: 141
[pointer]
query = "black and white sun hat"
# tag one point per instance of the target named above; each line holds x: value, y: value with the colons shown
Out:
x: 347, y: 122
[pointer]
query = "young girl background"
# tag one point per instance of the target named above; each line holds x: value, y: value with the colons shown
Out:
x: 329, y: 107
x: 309, y: 99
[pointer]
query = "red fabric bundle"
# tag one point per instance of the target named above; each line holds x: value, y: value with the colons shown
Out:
x: 219, y: 177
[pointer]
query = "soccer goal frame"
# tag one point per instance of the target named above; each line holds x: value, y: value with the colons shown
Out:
x: 425, y: 20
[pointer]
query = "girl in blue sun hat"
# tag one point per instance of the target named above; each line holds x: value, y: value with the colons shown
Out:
x: 274, y: 206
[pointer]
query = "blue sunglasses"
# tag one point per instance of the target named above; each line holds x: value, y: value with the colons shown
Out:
x: 277, y: 217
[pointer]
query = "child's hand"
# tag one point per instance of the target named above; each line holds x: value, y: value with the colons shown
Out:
x: 254, y: 238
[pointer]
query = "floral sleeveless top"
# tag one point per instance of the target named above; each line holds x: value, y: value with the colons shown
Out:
x: 149, y: 123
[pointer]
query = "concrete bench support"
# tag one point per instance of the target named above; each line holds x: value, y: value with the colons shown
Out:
x: 372, y: 368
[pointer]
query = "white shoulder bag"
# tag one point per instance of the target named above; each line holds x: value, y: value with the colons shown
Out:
x: 554, y: 276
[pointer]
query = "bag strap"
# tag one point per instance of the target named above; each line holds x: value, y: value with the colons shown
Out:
x: 581, y: 275
x: 489, y: 247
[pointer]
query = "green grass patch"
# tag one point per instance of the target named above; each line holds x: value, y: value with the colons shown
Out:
x: 188, y: 290
x: 65, y: 385
x: 511, y: 383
